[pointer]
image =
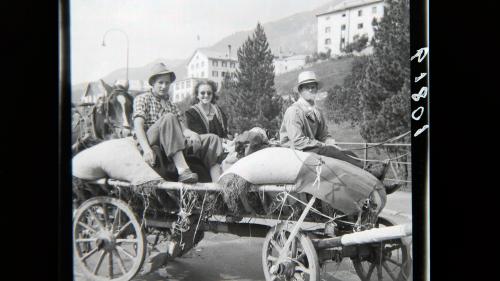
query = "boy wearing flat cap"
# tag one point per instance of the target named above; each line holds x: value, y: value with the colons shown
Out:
x: 159, y: 128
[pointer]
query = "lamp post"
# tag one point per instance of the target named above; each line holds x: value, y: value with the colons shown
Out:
x: 126, y: 37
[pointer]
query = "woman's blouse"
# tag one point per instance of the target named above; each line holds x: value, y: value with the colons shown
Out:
x: 198, y: 122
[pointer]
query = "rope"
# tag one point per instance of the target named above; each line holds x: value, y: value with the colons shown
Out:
x: 201, y: 214
x: 318, y: 174
x: 381, y: 143
x: 381, y: 161
x: 146, y: 197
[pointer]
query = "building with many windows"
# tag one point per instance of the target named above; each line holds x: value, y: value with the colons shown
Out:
x: 346, y: 22
x: 212, y: 65
x: 204, y: 64
x: 181, y: 89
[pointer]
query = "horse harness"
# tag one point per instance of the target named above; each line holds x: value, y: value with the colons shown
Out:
x: 88, y: 126
x: 119, y: 129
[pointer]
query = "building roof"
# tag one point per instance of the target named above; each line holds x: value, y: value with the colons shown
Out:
x: 348, y: 4
x: 97, y: 88
x: 215, y: 55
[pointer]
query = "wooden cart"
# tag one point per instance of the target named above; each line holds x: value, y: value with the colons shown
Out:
x: 114, y: 224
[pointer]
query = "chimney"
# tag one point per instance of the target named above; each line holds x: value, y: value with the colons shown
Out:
x: 229, y: 51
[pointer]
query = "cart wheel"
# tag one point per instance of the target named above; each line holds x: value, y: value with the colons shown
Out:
x: 108, y: 241
x: 387, y: 260
x: 301, y: 262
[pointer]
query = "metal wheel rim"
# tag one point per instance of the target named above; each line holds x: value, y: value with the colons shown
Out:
x: 394, y: 264
x: 304, y: 258
x: 108, y: 241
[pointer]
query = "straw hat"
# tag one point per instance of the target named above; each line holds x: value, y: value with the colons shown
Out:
x: 307, y: 77
x: 160, y: 69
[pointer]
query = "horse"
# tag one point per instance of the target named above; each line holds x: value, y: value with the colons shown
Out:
x: 109, y: 118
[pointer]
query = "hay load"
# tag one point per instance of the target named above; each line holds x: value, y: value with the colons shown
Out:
x: 335, y: 182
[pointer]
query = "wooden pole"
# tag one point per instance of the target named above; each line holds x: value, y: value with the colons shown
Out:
x: 366, y: 154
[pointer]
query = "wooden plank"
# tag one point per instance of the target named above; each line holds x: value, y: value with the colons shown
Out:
x: 210, y: 187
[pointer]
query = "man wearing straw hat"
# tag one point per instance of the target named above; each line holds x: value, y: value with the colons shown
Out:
x: 304, y: 126
x: 159, y: 128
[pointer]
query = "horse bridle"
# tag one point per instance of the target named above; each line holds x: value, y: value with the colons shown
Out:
x: 116, y: 127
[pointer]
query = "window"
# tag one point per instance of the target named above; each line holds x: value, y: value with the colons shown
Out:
x: 182, y: 85
x: 233, y: 65
x: 215, y: 63
x: 360, y: 25
x: 215, y: 74
x: 327, y: 29
x: 328, y: 41
x: 342, y: 40
x: 360, y: 13
x: 342, y: 27
x: 224, y: 64
x: 176, y: 86
x: 374, y: 10
x: 355, y: 37
x: 343, y: 15
x: 223, y: 74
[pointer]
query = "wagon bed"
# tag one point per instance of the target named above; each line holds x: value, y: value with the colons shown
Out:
x: 110, y: 236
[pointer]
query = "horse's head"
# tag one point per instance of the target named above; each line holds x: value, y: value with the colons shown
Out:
x: 119, y: 113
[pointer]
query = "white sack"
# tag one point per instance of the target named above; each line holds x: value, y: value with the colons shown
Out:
x: 117, y: 159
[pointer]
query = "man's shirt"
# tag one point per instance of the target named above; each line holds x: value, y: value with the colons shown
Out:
x: 303, y: 126
x: 151, y: 108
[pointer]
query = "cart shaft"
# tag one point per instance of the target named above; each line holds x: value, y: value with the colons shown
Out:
x: 367, y: 236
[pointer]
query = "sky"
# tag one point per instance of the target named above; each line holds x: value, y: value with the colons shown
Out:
x: 160, y: 29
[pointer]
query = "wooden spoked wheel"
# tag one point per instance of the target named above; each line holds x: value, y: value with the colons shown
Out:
x: 387, y: 260
x: 108, y: 241
x: 301, y: 260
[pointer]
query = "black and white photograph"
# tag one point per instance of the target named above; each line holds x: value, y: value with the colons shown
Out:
x: 244, y: 140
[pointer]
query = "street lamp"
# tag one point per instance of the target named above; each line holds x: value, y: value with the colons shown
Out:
x: 126, y: 37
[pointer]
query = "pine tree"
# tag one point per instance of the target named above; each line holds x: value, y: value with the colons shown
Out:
x: 254, y: 99
x: 385, y: 87
x: 376, y: 94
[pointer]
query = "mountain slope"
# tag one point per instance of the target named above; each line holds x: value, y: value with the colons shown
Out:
x: 296, y: 33
x: 142, y: 73
x: 330, y: 73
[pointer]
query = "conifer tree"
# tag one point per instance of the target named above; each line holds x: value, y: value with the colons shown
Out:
x: 376, y: 95
x: 254, y: 99
x: 385, y: 87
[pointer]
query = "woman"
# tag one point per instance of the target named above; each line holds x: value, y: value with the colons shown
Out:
x: 159, y: 130
x: 205, y: 117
